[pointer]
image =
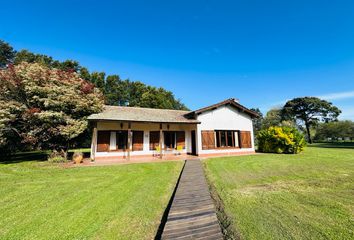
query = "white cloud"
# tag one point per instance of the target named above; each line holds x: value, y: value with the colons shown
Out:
x: 337, y: 96
x: 329, y: 97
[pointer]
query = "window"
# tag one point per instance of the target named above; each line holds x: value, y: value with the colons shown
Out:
x: 154, y: 140
x: 103, y: 140
x: 170, y: 139
x: 230, y: 139
x: 180, y: 139
x: 122, y: 140
x: 225, y: 138
x: 138, y: 140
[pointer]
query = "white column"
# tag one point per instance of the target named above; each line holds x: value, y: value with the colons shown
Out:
x: 93, y: 143
x: 113, y: 141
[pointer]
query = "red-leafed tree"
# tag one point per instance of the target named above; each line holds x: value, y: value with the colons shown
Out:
x: 42, y: 107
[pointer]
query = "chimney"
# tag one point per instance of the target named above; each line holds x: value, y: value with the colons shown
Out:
x: 235, y: 99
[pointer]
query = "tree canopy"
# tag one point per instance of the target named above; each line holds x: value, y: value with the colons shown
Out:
x: 116, y: 90
x: 257, y: 122
x: 7, y: 54
x: 335, y: 131
x: 310, y: 110
x: 44, y: 107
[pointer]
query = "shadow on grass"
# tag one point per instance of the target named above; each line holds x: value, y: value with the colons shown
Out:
x: 39, y: 156
x: 349, y: 145
x: 24, y: 157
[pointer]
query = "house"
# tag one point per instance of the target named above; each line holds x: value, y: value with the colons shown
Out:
x: 121, y: 132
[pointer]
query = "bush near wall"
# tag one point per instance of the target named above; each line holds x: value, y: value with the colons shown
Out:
x: 281, y: 140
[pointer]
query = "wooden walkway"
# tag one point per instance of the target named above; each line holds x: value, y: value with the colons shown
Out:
x: 192, y: 214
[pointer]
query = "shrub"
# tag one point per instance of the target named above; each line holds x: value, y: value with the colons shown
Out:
x: 281, y: 140
x: 57, y: 157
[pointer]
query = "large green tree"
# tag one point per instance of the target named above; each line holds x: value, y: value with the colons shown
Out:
x: 310, y: 111
x: 44, y: 107
x: 7, y: 54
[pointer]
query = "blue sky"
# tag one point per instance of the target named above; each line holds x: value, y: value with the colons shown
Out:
x: 261, y: 52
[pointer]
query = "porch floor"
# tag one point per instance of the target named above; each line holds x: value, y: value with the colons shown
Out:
x: 135, y: 159
x: 101, y: 161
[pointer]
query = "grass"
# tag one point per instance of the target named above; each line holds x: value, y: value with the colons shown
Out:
x: 304, y: 196
x: 43, y: 201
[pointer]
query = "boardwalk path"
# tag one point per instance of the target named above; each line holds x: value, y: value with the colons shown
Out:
x: 192, y: 214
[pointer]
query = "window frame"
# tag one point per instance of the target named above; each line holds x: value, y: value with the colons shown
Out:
x: 227, y: 135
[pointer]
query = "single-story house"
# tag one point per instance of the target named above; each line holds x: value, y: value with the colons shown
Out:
x: 222, y: 128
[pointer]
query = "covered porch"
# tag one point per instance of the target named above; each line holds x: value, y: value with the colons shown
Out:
x: 116, y: 140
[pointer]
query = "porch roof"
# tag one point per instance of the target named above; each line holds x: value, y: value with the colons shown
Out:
x: 137, y: 114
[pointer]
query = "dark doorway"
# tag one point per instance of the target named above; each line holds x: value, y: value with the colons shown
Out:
x: 194, y: 147
x: 122, y: 140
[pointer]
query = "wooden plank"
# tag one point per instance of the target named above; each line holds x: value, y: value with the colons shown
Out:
x: 192, y: 213
x: 246, y: 139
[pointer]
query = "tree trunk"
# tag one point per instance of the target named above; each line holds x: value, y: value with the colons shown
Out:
x: 308, y: 132
x: 65, y: 150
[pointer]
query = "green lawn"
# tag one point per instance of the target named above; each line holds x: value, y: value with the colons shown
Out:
x: 305, y: 196
x: 42, y: 201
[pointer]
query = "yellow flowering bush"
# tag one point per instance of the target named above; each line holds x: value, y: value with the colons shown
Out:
x: 280, y: 140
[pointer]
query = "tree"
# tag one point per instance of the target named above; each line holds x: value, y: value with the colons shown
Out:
x: 27, y: 56
x: 85, y: 74
x: 335, y: 130
x: 116, y: 90
x: 98, y: 78
x: 257, y: 122
x: 113, y: 91
x: 310, y: 111
x: 7, y: 54
x: 272, y: 118
x: 70, y: 65
x: 43, y: 107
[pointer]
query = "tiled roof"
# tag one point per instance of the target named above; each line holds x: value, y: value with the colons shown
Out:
x: 137, y: 114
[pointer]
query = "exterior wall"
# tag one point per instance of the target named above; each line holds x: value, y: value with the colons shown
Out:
x: 223, y: 118
x: 146, y: 128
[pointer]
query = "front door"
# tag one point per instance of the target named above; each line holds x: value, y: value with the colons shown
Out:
x: 194, y: 145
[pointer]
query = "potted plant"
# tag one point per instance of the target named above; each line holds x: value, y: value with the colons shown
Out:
x: 78, y: 157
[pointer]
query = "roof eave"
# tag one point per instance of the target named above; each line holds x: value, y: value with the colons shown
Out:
x: 136, y: 121
x: 230, y: 101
